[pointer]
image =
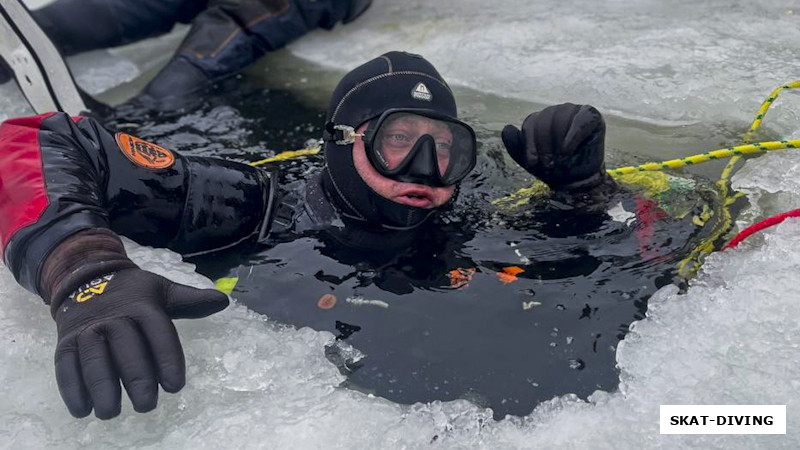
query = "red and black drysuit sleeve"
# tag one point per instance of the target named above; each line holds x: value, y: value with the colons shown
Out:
x: 61, y: 175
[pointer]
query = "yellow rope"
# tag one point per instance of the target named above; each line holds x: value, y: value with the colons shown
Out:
x: 762, y: 111
x: 748, y: 149
x: 290, y: 154
x: 735, y: 153
x: 689, y: 265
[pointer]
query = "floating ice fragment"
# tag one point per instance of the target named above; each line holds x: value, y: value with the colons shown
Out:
x: 576, y: 364
x: 358, y: 301
x: 344, y: 356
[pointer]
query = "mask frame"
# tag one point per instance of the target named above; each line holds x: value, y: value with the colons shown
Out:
x: 424, y: 144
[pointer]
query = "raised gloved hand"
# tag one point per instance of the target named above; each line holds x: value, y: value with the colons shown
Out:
x: 562, y: 145
x: 116, y: 326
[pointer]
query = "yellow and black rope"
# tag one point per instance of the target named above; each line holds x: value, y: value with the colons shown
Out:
x: 730, y: 152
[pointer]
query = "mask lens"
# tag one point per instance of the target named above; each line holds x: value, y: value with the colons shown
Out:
x: 398, y: 133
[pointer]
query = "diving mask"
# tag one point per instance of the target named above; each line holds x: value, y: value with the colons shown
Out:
x: 416, y: 146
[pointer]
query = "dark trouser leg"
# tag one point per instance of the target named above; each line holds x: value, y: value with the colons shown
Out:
x: 232, y: 34
x: 77, y: 26
x: 5, y: 71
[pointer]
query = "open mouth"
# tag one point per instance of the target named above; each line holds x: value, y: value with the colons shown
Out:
x: 418, y: 198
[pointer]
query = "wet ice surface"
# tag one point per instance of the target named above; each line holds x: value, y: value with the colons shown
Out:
x: 731, y: 339
x: 769, y: 194
x: 94, y: 79
x: 664, y: 62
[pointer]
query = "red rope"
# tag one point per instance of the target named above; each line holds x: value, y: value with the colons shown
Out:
x: 766, y: 223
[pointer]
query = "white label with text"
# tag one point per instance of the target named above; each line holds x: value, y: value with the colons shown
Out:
x: 723, y: 419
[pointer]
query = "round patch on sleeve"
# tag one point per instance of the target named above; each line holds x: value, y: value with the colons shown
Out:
x: 143, y: 153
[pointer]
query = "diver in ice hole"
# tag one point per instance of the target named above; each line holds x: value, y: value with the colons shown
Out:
x: 225, y: 36
x: 395, y: 154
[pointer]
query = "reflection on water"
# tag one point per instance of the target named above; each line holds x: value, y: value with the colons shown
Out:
x: 507, y: 310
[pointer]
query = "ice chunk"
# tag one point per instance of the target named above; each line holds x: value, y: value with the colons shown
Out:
x: 771, y: 184
x: 344, y: 356
x: 758, y: 175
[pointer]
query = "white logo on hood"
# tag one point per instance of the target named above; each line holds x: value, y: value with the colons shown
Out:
x: 421, y: 92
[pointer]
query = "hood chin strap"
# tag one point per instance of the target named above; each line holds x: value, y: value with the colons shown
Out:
x: 410, y: 227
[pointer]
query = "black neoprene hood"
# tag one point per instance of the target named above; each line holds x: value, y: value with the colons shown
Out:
x: 392, y: 80
x: 389, y: 81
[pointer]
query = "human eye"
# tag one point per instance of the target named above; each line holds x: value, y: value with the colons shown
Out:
x: 443, y: 146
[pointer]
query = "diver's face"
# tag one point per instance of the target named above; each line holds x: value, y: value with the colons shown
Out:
x: 410, y: 194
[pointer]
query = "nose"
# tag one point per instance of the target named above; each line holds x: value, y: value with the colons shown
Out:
x: 423, y: 168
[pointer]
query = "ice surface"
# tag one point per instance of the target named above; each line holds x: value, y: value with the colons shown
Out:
x: 733, y: 338
x: 12, y: 102
x: 660, y: 61
x: 96, y: 72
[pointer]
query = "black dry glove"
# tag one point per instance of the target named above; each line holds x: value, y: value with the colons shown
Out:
x: 562, y: 145
x: 114, y: 323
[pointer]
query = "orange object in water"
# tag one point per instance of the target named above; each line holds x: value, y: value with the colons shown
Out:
x: 509, y: 274
x: 461, y: 277
x: 327, y: 301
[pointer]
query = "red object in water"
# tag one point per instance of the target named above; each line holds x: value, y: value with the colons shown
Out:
x: 327, y: 301
x: 766, y: 223
x: 648, y: 213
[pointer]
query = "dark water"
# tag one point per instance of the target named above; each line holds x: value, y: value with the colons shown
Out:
x: 509, y: 343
